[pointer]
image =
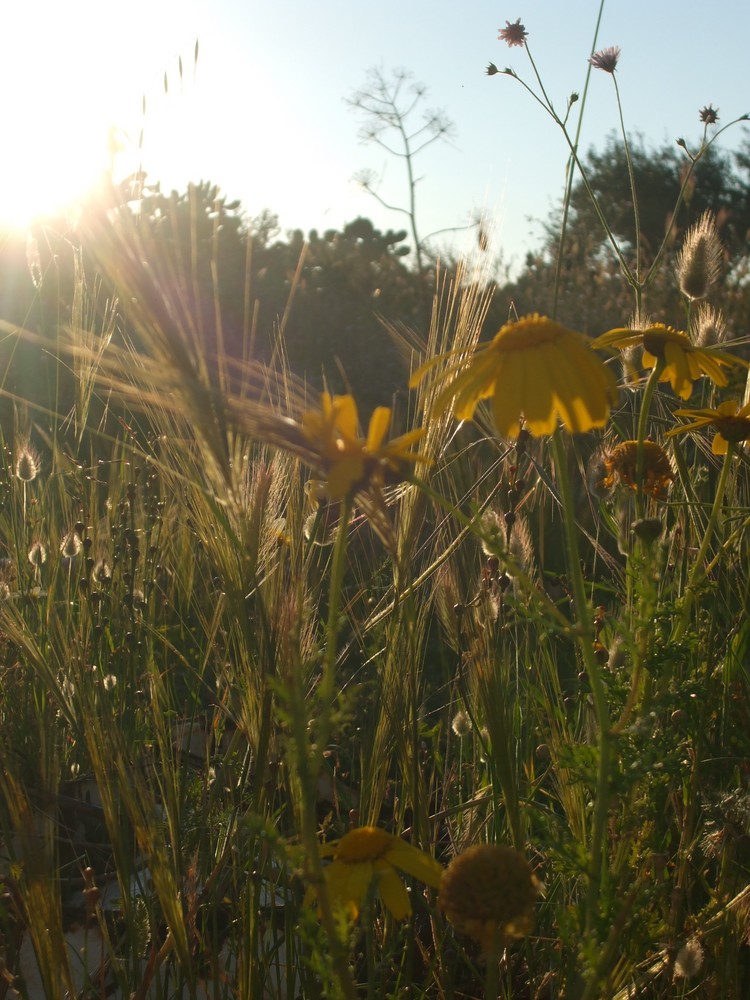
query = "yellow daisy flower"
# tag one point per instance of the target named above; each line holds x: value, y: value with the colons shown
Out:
x: 730, y: 421
x: 683, y: 361
x: 368, y: 855
x: 537, y: 372
x: 350, y: 463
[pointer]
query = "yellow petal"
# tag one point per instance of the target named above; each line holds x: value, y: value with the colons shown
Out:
x: 711, y: 367
x: 685, y: 428
x: 729, y: 409
x: 346, y: 416
x: 476, y: 382
x: 719, y: 445
x: 348, y: 884
x: 537, y: 390
x: 507, y: 399
x: 412, y: 861
x: 648, y: 360
x: 379, y: 424
x: 392, y: 891
x: 344, y: 473
x: 420, y: 373
x: 677, y: 370
x: 570, y: 391
x: 622, y: 336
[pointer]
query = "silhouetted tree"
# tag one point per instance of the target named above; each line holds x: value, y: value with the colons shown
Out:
x: 349, y: 280
x: 593, y: 294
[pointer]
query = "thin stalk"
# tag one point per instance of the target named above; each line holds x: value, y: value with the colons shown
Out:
x: 698, y: 570
x: 584, y: 635
x: 573, y: 147
x: 571, y: 173
x: 492, y: 975
x: 309, y: 759
x: 648, y: 393
x: 637, y: 285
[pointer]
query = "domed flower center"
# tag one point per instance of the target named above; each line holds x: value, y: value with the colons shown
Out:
x: 367, y: 843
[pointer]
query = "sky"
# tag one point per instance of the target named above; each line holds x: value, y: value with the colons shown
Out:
x: 263, y: 114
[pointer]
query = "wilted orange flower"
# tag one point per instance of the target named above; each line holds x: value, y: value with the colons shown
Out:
x: 730, y: 421
x: 537, y: 372
x: 683, y: 361
x: 488, y: 892
x: 620, y: 467
x: 368, y: 855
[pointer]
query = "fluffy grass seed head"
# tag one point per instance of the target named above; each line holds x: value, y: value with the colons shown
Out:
x: 700, y: 259
x: 689, y: 959
x: 488, y: 892
x: 368, y: 855
x: 27, y: 464
x: 730, y: 421
x: 620, y: 468
x: 683, y: 361
x: 37, y: 554
x: 461, y: 724
x: 536, y: 372
x: 101, y: 573
x: 708, y: 327
x: 70, y: 546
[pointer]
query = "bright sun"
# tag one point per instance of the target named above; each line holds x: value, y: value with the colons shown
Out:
x: 72, y: 76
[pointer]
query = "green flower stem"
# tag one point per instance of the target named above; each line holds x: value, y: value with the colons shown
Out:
x: 584, y: 635
x: 637, y: 285
x: 648, y: 393
x: 698, y: 570
x: 310, y: 758
x: 571, y: 173
x: 492, y: 974
x: 327, y: 689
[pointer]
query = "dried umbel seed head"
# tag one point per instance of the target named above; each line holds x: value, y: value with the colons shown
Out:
x: 27, y: 464
x: 699, y: 261
x: 488, y: 892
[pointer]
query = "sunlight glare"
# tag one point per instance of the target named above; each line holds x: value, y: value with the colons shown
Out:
x: 70, y: 76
